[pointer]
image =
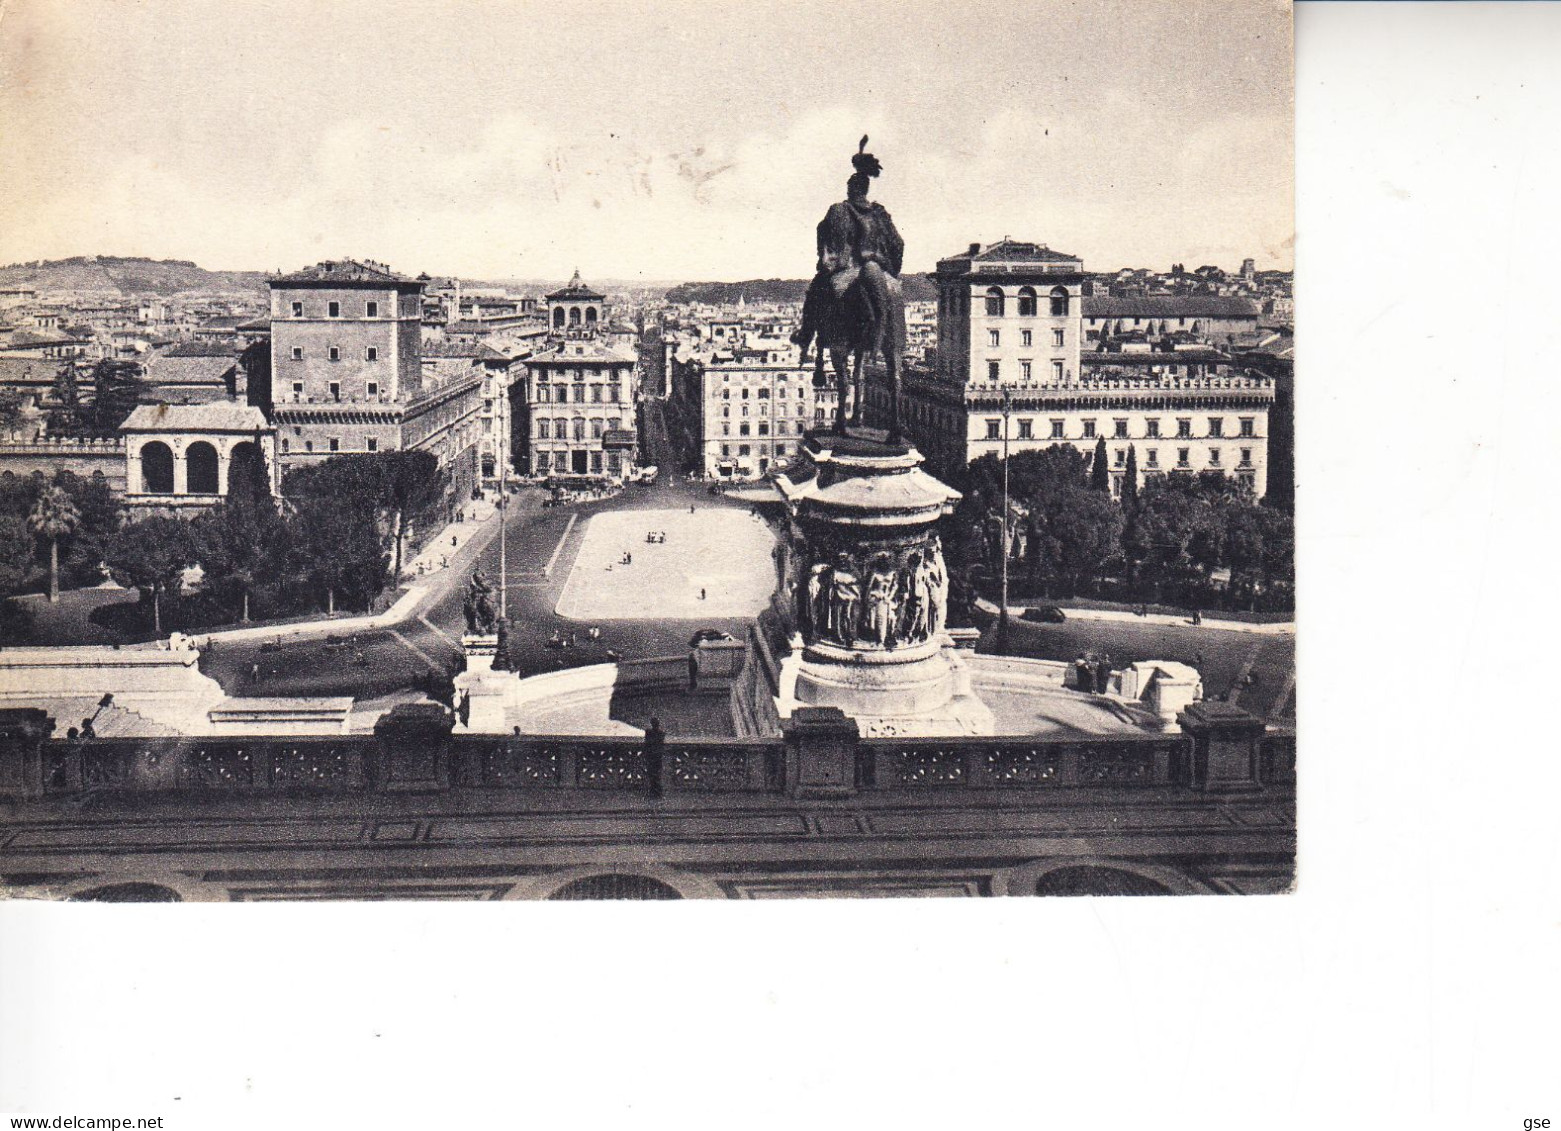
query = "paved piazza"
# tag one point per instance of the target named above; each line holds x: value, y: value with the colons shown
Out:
x: 722, y: 550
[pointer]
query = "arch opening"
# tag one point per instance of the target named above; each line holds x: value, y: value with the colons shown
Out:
x: 200, y: 469
x: 156, y: 468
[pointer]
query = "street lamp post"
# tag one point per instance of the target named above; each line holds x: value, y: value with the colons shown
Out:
x: 503, y: 507
x: 1002, y: 616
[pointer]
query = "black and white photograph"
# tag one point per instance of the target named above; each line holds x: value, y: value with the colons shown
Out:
x: 560, y: 486
x: 690, y: 564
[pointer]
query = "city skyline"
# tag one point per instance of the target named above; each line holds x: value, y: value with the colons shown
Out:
x: 528, y: 142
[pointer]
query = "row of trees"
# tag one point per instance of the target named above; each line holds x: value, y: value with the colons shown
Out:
x: 1173, y: 538
x: 338, y: 540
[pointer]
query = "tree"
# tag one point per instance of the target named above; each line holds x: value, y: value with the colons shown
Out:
x: 18, y: 559
x: 238, y: 542
x: 412, y: 485
x: 153, y: 552
x: 100, y: 510
x: 1130, y: 481
x: 333, y: 541
x: 1099, y: 473
x: 119, y: 388
x: 54, y: 516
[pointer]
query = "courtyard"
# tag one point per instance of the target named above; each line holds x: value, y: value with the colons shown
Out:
x: 714, y: 562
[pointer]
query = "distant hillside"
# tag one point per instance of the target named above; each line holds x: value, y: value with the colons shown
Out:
x: 918, y: 288
x: 117, y: 275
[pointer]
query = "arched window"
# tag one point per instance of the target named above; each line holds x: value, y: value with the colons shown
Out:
x: 994, y: 302
x: 200, y: 469
x: 590, y: 315
x: 1059, y: 297
x: 1026, y: 302
x: 616, y: 885
x: 157, y: 468
x: 542, y: 428
x: 574, y: 316
x: 558, y: 318
x: 247, y: 470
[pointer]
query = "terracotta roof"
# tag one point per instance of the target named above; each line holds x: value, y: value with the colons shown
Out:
x: 1168, y: 306
x: 344, y: 271
x: 577, y: 290
x: 203, y: 348
x: 474, y: 350
x: 588, y: 352
x: 220, y: 417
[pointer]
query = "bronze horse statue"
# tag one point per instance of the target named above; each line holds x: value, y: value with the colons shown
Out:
x: 855, y: 306
x: 847, y: 328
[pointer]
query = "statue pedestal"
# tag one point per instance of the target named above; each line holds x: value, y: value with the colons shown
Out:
x: 865, y: 591
x: 485, y: 690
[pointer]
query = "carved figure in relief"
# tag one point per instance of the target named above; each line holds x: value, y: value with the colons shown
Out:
x: 845, y: 602
x: 938, y: 582
x: 881, y: 601
x: 918, y: 595
x: 815, y: 612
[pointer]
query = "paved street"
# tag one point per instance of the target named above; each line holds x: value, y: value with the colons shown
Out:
x: 385, y: 662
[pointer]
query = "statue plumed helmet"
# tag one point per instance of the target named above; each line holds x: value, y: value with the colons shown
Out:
x: 864, y: 162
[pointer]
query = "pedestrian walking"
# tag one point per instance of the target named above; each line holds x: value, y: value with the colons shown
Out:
x: 254, y: 673
x: 701, y: 594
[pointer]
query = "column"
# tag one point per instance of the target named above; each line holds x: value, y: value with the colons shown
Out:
x: 180, y: 478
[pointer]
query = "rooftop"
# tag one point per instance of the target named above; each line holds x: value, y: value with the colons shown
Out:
x: 576, y: 290
x: 345, y: 271
x: 1168, y: 306
x: 216, y: 417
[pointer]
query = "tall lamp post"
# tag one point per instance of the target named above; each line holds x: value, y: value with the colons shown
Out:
x: 503, y: 561
x: 1002, y: 615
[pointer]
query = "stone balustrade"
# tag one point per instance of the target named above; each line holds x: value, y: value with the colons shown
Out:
x: 414, y: 749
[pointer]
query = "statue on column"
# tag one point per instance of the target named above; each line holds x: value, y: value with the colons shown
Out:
x: 481, y: 615
x: 855, y: 306
x: 844, y: 602
x: 881, y: 604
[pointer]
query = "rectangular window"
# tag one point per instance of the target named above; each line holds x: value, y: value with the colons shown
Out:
x: 1246, y: 426
x: 994, y: 429
x: 371, y: 444
x: 298, y: 353
x: 1120, y: 427
x: 596, y: 463
x: 1182, y: 455
x: 371, y: 309
x: 542, y: 461
x: 335, y: 388
x: 373, y: 353
x: 1216, y: 426
x: 1057, y: 338
x: 994, y: 371
x: 334, y: 353
x: 1152, y: 457
x: 1152, y: 429
x: 1057, y: 426
x: 1246, y: 457
x: 1057, y: 371
x: 1214, y: 457
x: 994, y: 338
x: 1183, y: 428
x: 1025, y: 429
x: 1121, y: 457
x: 333, y: 310
x: 1024, y: 338
x: 298, y: 310
x: 298, y: 389
x: 764, y: 428
x: 373, y: 388
x: 726, y: 449
x: 1089, y: 429
x: 1024, y: 371
x: 742, y: 429
x: 335, y: 444
x: 764, y: 394
x: 308, y: 445
x: 742, y: 449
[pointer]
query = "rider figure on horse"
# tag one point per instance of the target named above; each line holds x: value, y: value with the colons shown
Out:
x: 857, y: 242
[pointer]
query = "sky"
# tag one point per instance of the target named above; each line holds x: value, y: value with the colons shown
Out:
x: 675, y: 140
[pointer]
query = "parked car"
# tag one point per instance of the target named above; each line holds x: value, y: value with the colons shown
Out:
x: 1045, y: 614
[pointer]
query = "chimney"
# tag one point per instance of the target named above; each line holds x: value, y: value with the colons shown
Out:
x: 975, y: 249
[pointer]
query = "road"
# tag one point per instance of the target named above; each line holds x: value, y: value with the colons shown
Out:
x: 387, y: 662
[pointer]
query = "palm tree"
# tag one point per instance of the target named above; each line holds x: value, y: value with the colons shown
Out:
x: 54, y: 516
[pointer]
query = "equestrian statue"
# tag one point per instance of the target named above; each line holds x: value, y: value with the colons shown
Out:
x: 855, y: 307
